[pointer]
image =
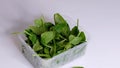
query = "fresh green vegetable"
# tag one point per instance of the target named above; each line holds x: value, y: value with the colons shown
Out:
x: 62, y: 26
x: 48, y: 39
x: 37, y: 46
x: 59, y: 19
x: 75, y: 30
x: 77, y: 67
x: 39, y: 22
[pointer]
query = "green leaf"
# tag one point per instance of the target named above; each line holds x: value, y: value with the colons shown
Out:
x: 58, y: 36
x: 71, y: 37
x: 52, y: 51
x: 58, y: 19
x: 77, y: 67
x: 46, y: 50
x: 60, y: 51
x: 27, y: 32
x: 37, y: 46
x: 47, y: 45
x: 76, y: 40
x: 38, y: 30
x: 75, y: 31
x: 68, y: 46
x: 44, y: 55
x: 61, y: 26
x: 39, y: 22
x: 40, y: 26
x: 48, y: 25
x: 61, y: 43
x: 42, y: 29
x: 35, y: 29
x: 63, y: 29
x: 46, y: 37
x: 33, y: 38
x: 59, y: 48
x: 54, y: 47
x: 82, y: 35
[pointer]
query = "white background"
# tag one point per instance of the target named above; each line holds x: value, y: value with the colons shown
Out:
x: 100, y: 18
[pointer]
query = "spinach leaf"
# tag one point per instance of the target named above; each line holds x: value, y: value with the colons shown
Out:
x: 68, y: 46
x: 46, y: 50
x: 75, y: 30
x: 37, y: 46
x: 40, y: 26
x: 61, y: 25
x: 33, y: 38
x: 27, y: 32
x: 39, y: 22
x: 48, y: 25
x: 76, y: 40
x: 63, y: 29
x: 61, y: 42
x: 59, y: 36
x: 77, y: 67
x: 71, y: 37
x: 44, y: 55
x: 35, y: 29
x: 59, y: 19
x: 46, y: 37
x: 60, y: 51
x: 82, y: 35
x: 38, y: 30
x: 54, y: 47
x: 52, y: 51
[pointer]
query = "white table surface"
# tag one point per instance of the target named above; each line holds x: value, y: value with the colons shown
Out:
x: 100, y: 18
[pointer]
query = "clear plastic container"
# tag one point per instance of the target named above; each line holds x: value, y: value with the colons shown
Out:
x: 56, y: 61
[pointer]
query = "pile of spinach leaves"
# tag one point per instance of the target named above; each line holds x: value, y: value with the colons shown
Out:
x: 49, y: 40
